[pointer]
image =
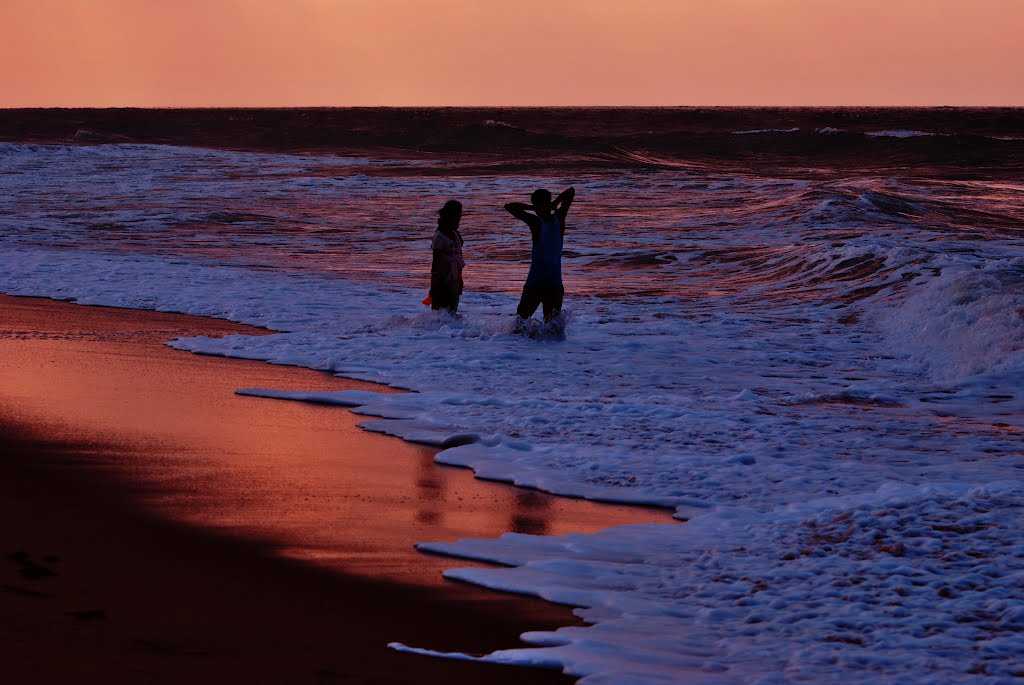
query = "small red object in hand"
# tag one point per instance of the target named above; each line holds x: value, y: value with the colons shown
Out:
x: 427, y: 301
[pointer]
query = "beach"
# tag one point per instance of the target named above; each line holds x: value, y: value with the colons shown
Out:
x: 462, y: 341
x: 157, y: 527
x: 796, y: 329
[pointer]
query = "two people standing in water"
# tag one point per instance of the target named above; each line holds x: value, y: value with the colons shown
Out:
x: 546, y: 219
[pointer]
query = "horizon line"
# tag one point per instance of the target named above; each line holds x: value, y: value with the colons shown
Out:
x: 484, y: 106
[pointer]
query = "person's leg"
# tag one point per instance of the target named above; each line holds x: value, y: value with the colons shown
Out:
x: 528, y: 303
x: 553, y: 302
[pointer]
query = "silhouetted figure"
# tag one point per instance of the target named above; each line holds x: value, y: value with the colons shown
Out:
x: 447, y: 264
x: 546, y: 220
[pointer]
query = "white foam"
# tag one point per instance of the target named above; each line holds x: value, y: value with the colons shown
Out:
x: 899, y: 133
x: 755, y: 131
x: 967, y: 323
x: 903, y: 585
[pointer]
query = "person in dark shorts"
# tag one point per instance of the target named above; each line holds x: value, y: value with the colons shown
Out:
x: 447, y: 264
x: 546, y: 219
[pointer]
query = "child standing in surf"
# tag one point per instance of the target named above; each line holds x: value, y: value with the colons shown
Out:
x: 447, y: 263
x: 546, y: 219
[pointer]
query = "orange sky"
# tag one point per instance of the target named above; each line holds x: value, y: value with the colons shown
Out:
x: 521, y: 52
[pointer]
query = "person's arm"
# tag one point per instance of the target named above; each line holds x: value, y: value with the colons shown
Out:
x: 563, y: 202
x: 521, y: 211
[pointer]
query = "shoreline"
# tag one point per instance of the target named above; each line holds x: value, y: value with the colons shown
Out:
x: 130, y: 553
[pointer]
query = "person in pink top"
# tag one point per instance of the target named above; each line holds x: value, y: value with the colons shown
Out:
x: 447, y: 264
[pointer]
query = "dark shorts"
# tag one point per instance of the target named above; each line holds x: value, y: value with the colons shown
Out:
x: 533, y: 296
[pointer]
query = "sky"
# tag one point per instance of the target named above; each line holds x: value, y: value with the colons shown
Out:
x: 522, y: 52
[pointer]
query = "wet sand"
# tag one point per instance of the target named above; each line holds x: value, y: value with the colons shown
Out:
x: 155, y: 527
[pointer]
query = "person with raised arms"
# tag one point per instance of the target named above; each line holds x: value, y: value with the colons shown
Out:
x: 546, y: 219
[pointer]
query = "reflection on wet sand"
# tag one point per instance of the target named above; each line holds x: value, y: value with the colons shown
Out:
x: 530, y: 515
x: 430, y: 484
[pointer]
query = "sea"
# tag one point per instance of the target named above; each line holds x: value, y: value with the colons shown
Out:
x: 800, y: 329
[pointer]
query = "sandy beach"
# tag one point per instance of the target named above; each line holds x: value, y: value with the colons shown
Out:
x: 797, y: 329
x: 157, y: 528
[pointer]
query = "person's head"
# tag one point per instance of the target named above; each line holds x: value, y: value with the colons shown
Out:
x: 450, y: 215
x: 541, y: 201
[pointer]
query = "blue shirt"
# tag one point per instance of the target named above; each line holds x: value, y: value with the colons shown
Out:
x: 546, y: 257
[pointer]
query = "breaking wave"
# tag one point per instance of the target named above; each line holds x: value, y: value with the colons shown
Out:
x: 967, y: 322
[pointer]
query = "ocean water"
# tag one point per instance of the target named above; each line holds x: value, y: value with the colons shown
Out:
x: 818, y: 361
